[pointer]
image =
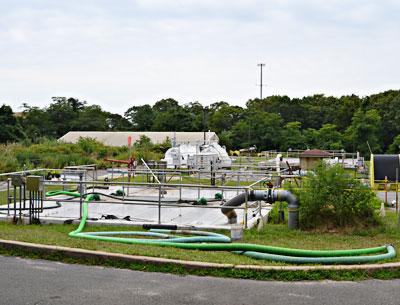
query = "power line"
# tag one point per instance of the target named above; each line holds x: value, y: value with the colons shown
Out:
x: 261, y: 65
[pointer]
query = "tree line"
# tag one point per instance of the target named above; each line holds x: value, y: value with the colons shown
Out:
x: 273, y: 123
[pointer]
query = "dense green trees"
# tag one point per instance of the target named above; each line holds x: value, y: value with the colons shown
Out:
x: 10, y: 131
x: 365, y: 129
x: 394, y: 148
x: 275, y: 122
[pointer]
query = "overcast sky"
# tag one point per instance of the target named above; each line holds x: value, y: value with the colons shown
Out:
x: 123, y: 52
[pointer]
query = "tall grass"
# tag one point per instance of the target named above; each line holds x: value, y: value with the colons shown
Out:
x: 52, y: 154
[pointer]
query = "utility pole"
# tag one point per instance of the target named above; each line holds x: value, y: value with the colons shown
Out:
x: 261, y: 65
x: 204, y: 126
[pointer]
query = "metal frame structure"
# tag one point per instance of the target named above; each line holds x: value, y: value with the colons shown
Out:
x: 252, y: 180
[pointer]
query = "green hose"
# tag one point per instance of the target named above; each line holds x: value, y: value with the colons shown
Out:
x: 201, y: 240
x: 68, y: 193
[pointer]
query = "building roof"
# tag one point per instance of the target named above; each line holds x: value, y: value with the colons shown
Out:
x: 315, y: 153
x: 120, y: 138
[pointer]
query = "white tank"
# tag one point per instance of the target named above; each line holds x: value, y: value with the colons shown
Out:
x: 195, y: 156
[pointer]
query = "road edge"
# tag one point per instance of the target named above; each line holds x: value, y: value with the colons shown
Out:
x: 102, y: 255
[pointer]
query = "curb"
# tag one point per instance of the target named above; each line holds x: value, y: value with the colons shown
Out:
x: 102, y: 255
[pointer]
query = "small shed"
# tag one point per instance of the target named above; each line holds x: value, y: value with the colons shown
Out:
x: 309, y: 158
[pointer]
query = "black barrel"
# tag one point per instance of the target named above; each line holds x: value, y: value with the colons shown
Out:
x: 385, y: 166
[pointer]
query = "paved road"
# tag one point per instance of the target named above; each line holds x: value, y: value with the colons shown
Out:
x: 24, y: 281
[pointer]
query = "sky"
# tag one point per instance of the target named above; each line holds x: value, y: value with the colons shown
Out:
x: 132, y: 52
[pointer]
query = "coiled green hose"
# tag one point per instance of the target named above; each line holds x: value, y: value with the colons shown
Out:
x: 201, y: 240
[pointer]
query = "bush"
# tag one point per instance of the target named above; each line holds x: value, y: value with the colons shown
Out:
x: 273, y: 215
x: 8, y: 161
x: 162, y: 147
x: 89, y: 145
x: 332, y: 198
x: 52, y: 154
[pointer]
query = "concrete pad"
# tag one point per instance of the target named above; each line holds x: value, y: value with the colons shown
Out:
x: 145, y: 209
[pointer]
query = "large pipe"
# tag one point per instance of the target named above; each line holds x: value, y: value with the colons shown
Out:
x: 269, y: 196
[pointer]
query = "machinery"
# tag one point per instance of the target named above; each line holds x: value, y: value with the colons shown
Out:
x: 384, y: 169
x: 269, y: 196
x: 131, y: 162
x: 197, y: 156
x: 27, y: 197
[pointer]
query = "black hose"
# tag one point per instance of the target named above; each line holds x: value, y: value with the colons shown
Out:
x: 157, y: 226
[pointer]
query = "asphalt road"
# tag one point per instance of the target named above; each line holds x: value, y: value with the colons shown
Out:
x: 24, y: 281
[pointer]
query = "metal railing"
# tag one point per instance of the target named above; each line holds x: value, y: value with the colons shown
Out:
x: 138, y: 200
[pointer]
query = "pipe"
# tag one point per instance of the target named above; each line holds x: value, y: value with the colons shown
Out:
x: 157, y: 226
x: 201, y: 240
x: 269, y: 196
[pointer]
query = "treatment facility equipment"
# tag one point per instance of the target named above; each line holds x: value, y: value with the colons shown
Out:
x: 178, y: 210
x: 269, y: 196
x: 197, y: 156
x: 209, y: 241
x: 384, y: 169
x: 180, y: 198
x: 26, y: 198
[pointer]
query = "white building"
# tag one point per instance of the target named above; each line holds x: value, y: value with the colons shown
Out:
x: 120, y: 138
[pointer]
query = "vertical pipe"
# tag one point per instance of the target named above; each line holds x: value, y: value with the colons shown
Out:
x: 34, y: 207
x: 246, y: 197
x: 81, y: 196
x: 386, y: 193
x: 123, y: 187
x: 222, y: 184
x: 372, y: 172
x: 15, y: 202
x: 180, y: 187
x: 397, y: 190
x: 30, y: 207
x: 20, y: 203
x: 41, y: 201
x: 37, y: 205
x: 8, y: 196
x: 159, y: 204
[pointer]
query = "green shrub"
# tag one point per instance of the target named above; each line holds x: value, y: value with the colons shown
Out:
x: 52, y: 154
x: 89, y: 145
x: 332, y: 198
x: 8, y: 161
x: 273, y: 215
x: 162, y: 147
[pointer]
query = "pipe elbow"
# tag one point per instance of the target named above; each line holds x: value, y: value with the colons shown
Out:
x: 290, y: 198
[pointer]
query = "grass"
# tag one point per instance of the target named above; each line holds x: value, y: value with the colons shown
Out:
x: 3, y: 194
x: 277, y: 235
x: 280, y: 275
